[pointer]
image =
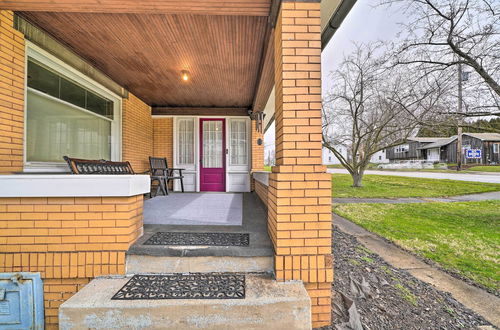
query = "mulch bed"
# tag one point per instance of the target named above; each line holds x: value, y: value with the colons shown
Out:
x: 368, y: 293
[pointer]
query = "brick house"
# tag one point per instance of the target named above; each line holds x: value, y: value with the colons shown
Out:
x: 125, y: 80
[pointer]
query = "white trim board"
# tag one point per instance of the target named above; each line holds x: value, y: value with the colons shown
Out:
x: 69, y: 185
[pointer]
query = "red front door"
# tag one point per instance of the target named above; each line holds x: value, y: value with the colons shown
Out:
x: 212, y: 155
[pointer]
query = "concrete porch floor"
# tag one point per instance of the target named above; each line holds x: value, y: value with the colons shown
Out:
x: 195, y: 209
x: 254, y: 222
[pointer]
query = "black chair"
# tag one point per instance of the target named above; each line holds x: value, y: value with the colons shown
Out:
x: 163, y: 174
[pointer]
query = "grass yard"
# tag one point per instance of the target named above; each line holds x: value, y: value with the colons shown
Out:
x: 485, y: 169
x: 386, y: 186
x: 462, y: 237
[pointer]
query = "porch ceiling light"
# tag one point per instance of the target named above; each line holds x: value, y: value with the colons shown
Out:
x: 185, y: 75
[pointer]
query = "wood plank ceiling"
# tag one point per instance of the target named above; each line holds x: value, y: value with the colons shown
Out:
x: 208, y: 7
x: 145, y: 53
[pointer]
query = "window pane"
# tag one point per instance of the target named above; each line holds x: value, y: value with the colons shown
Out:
x: 55, y: 129
x: 238, y: 143
x: 212, y: 144
x: 57, y: 86
x: 42, y: 79
x: 185, y: 141
x: 72, y: 93
x: 99, y: 105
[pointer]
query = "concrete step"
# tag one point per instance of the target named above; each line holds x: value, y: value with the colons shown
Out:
x: 203, y: 264
x: 267, y: 305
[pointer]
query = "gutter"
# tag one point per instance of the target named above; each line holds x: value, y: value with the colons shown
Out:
x: 337, y: 18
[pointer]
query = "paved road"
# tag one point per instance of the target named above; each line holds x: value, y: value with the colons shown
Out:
x: 483, y: 177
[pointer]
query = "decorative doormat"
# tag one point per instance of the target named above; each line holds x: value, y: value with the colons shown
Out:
x: 183, y: 286
x: 214, y: 239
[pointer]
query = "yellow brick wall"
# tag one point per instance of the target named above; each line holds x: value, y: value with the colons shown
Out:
x: 261, y: 191
x: 299, y: 193
x: 257, y: 150
x: 137, y: 141
x: 163, y: 139
x: 68, y: 240
x: 11, y: 95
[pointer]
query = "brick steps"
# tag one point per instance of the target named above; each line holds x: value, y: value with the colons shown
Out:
x: 267, y: 305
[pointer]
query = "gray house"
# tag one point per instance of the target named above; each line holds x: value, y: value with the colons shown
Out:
x: 445, y: 150
x: 411, y: 149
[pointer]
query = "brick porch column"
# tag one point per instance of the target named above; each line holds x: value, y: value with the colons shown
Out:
x: 11, y: 95
x: 299, y: 218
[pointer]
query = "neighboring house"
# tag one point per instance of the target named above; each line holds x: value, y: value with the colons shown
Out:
x: 330, y: 159
x: 440, y: 151
x: 380, y: 157
x: 410, y: 149
x: 445, y: 150
x: 123, y: 80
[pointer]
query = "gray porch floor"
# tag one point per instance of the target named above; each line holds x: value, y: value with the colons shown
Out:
x: 254, y: 222
x: 195, y: 209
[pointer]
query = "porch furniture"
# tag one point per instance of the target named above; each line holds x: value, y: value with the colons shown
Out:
x: 101, y: 166
x: 163, y: 174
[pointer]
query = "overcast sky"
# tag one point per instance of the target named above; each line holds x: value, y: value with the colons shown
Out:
x: 363, y: 24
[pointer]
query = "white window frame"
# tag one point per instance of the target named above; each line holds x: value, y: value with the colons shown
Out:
x: 63, y: 69
x: 177, y: 121
x: 238, y: 167
x: 495, y: 148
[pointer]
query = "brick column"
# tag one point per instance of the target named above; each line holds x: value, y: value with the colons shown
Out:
x: 299, y: 216
x: 11, y: 95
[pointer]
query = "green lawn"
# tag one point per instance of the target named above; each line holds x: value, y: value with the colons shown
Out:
x: 386, y: 186
x: 463, y: 237
x: 485, y: 169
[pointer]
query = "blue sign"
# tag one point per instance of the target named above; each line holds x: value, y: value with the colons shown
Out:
x: 473, y: 153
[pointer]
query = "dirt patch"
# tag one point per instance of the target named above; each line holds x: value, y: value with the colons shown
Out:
x: 371, y: 294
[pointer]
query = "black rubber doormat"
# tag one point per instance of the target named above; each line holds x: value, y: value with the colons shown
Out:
x: 213, y: 239
x: 183, y: 286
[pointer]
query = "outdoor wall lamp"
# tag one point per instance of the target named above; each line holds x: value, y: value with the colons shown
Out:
x: 185, y: 75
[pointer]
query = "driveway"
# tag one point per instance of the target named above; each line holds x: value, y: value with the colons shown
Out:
x: 483, y: 177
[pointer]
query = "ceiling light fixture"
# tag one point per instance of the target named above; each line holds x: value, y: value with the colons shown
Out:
x: 185, y: 75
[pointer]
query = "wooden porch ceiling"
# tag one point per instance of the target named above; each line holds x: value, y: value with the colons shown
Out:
x: 145, y: 53
x: 207, y: 7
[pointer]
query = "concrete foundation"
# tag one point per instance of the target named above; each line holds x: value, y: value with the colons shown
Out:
x: 267, y: 305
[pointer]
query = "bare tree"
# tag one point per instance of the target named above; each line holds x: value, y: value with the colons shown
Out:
x: 443, y: 35
x: 372, y: 107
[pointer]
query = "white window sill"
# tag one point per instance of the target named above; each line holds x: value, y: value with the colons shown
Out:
x: 68, y: 185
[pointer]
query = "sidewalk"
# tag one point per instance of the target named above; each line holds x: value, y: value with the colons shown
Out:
x: 478, y: 300
x: 494, y: 195
x: 483, y: 177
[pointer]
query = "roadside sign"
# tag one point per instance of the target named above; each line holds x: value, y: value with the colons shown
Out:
x: 473, y: 153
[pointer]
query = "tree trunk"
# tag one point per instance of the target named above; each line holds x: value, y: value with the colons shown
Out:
x: 357, y: 179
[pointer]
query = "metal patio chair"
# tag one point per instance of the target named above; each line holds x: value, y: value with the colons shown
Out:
x: 161, y: 173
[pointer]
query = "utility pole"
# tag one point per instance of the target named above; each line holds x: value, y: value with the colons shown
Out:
x: 459, y: 120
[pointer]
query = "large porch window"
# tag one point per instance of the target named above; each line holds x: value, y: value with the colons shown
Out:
x: 67, y: 114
